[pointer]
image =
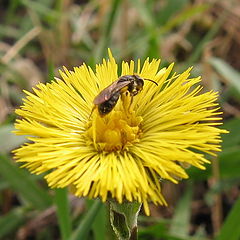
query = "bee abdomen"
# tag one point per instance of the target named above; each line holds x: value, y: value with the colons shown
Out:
x: 107, y: 106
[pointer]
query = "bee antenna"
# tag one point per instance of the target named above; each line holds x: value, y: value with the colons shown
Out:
x: 151, y: 81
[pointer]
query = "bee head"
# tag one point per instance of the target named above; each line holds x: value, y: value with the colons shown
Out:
x: 136, y: 85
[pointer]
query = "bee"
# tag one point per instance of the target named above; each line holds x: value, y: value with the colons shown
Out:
x: 107, y: 99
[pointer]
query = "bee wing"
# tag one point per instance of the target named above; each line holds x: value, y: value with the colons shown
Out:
x: 107, y: 92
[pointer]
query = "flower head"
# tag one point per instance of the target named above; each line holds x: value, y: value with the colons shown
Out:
x: 145, y: 137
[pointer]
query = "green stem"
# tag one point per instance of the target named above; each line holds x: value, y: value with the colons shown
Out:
x: 123, y: 218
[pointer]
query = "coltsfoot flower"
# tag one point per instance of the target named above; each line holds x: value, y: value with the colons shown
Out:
x: 123, y: 154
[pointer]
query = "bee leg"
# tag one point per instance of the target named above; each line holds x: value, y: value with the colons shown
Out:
x: 130, y: 104
x: 126, y: 102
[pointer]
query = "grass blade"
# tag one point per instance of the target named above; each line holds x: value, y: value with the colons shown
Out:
x: 86, y: 224
x: 182, y: 17
x: 231, y: 227
x: 99, y: 225
x: 63, y: 212
x: 107, y: 30
x: 41, y: 9
x: 231, y: 75
x: 208, y: 36
x: 169, y: 10
x: 144, y: 13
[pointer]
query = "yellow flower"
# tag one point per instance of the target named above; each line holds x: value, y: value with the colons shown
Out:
x: 123, y: 154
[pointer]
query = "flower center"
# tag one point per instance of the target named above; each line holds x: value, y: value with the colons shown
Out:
x: 117, y: 130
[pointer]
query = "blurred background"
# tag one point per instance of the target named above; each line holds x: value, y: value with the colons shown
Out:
x: 38, y: 37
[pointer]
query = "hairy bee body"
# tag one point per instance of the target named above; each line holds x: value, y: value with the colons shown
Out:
x: 107, y: 99
x: 107, y: 106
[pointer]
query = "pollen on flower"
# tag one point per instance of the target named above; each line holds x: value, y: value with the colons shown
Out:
x: 116, y: 131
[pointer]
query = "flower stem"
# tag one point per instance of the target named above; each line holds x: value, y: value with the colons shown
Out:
x: 123, y: 218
